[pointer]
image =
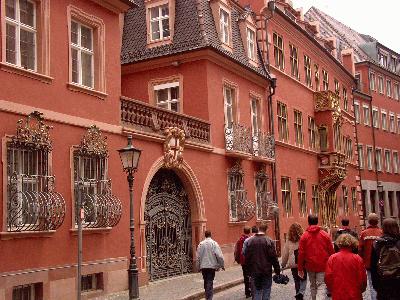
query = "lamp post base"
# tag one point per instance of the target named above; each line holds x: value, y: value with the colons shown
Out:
x: 133, y: 280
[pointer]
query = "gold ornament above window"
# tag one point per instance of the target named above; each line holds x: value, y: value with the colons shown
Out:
x: 173, y: 147
x: 93, y: 143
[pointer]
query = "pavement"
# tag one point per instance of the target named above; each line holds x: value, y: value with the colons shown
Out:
x: 228, y: 285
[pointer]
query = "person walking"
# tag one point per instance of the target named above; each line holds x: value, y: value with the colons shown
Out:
x: 345, y: 274
x: 315, y: 247
x: 240, y: 259
x: 385, y: 262
x: 346, y: 229
x: 290, y: 257
x: 209, y: 259
x: 261, y: 256
x: 367, y: 238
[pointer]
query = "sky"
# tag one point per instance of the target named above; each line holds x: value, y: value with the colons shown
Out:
x: 375, y: 18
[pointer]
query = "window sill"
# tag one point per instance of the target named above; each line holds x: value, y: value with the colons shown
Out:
x: 157, y: 43
x: 26, y: 234
x: 24, y: 72
x: 86, y: 231
x: 226, y: 46
x: 85, y: 90
x: 236, y: 223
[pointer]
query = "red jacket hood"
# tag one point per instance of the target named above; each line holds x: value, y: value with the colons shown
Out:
x: 313, y: 229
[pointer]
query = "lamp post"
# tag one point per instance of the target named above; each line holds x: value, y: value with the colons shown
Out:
x: 381, y: 200
x: 130, y: 160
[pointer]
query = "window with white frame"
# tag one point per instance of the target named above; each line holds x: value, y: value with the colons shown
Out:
x: 159, y: 22
x: 366, y: 116
x: 345, y: 100
x: 294, y: 60
x: 384, y: 120
x: 395, y: 162
x: 255, y: 116
x: 224, y: 26
x: 235, y: 190
x: 396, y: 91
x: 325, y: 80
x: 307, y: 71
x: 354, y: 198
x: 388, y: 163
x: 283, y: 133
x: 286, y: 195
x: 316, y: 77
x: 388, y: 88
x: 372, y: 81
x: 375, y: 117
x: 380, y: 84
x: 278, y: 51
x: 312, y: 133
x: 360, y: 151
x: 378, y: 159
x: 369, y: 158
x: 392, y: 125
x: 251, y: 44
x: 301, y: 194
x: 229, y: 106
x: 21, y: 33
x: 398, y: 124
x: 298, y: 127
x: 349, y: 149
x: 357, y: 112
x: 167, y: 96
x: 383, y: 59
x: 345, y: 198
x: 82, y: 54
x: 314, y: 198
x: 337, y: 87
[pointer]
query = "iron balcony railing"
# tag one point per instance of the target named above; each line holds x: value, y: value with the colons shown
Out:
x: 101, y: 209
x: 147, y: 118
x: 33, y: 205
x: 239, y: 138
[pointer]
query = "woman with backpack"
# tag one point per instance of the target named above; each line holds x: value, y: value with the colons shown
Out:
x: 385, y: 262
x: 289, y: 258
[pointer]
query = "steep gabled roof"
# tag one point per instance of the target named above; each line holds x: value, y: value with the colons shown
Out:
x: 195, y: 28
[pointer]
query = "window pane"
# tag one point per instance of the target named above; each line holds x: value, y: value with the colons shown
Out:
x: 162, y: 95
x: 75, y: 75
x: 164, y: 10
x: 165, y: 26
x: 175, y: 93
x: 26, y: 10
x: 74, y: 33
x: 10, y: 9
x: 86, y: 37
x: 174, y: 106
x: 155, y: 30
x: 27, y: 47
x: 87, y: 69
x: 10, y: 44
x: 154, y: 12
x: 229, y: 116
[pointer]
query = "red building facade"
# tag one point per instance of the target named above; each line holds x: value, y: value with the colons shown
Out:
x: 60, y: 125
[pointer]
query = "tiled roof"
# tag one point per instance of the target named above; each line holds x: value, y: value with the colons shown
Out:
x: 194, y: 29
x: 347, y: 37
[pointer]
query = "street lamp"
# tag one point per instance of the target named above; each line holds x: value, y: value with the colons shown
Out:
x: 381, y: 201
x: 130, y: 160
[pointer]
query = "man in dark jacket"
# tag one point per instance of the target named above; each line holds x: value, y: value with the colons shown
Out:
x: 387, y: 284
x: 261, y: 257
x: 346, y: 229
x: 240, y: 259
x: 315, y: 247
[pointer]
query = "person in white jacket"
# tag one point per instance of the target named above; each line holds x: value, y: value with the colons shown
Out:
x: 209, y: 259
x: 289, y: 258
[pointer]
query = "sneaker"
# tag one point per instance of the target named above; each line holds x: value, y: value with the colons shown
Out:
x: 299, y: 296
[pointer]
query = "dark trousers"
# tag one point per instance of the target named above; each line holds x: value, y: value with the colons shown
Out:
x: 246, y: 278
x: 208, y: 277
x: 299, y: 283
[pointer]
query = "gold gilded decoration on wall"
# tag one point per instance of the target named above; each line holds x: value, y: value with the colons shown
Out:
x: 173, y: 147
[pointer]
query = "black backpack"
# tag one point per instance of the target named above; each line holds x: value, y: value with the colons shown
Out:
x: 389, y: 261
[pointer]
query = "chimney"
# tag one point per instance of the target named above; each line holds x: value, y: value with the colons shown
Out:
x: 348, y: 60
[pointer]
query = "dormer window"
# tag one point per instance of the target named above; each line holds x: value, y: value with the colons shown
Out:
x: 383, y: 60
x: 251, y: 44
x: 159, y: 22
x: 224, y: 26
x: 167, y: 96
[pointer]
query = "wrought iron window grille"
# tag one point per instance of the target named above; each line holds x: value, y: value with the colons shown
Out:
x: 240, y: 208
x: 265, y: 206
x: 32, y: 202
x: 101, y: 209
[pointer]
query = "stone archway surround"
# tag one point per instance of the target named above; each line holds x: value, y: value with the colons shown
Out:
x: 196, y: 201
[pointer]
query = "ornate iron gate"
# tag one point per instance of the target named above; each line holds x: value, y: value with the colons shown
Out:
x: 168, y: 227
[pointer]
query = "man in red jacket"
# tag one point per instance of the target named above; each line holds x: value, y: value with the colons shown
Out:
x: 239, y: 258
x: 367, y: 238
x: 315, y: 247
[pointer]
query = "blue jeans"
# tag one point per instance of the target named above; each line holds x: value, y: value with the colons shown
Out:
x: 262, y: 286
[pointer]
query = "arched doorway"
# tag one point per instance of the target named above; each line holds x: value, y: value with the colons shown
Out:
x: 168, y: 227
